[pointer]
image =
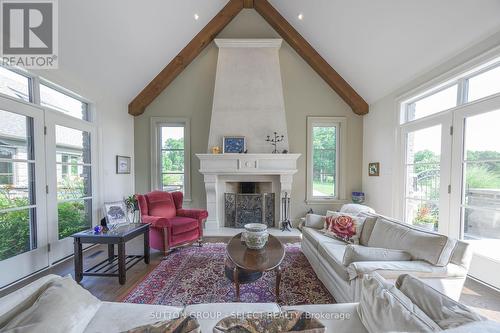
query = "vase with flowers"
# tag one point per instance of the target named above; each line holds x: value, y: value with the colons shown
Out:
x: 133, y: 208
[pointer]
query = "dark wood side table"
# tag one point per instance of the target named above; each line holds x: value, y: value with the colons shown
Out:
x: 114, y: 265
x: 246, y: 261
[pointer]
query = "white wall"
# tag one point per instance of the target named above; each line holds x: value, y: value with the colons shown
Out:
x: 380, y: 128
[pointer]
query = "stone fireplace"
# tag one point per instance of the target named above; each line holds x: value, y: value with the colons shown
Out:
x: 225, y: 173
x: 248, y: 101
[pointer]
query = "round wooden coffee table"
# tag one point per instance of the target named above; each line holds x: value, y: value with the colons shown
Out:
x: 246, y: 260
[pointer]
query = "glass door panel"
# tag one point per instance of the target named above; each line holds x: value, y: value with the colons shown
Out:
x: 480, y: 204
x: 23, y: 233
x: 69, y: 173
x: 422, y: 174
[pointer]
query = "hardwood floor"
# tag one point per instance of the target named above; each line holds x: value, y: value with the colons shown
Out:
x: 481, y: 298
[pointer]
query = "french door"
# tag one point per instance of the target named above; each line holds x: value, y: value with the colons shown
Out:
x: 426, y: 168
x: 71, y: 168
x: 47, y: 181
x: 23, y: 224
x: 475, y: 213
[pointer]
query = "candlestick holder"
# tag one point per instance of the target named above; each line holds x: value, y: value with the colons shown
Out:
x: 275, y: 140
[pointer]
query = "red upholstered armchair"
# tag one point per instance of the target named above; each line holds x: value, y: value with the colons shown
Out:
x: 171, y: 225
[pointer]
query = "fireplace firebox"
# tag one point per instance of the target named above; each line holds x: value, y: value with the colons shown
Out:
x: 250, y: 204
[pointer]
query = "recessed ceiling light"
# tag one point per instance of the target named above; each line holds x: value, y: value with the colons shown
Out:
x: 300, y: 16
x: 196, y: 17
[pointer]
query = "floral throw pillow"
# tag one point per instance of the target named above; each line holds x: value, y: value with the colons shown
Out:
x: 344, y: 227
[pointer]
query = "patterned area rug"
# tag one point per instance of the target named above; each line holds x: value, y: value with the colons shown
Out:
x: 195, y: 275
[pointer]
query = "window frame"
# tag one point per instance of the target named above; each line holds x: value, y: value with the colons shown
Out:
x: 459, y: 77
x: 340, y: 165
x: 156, y: 152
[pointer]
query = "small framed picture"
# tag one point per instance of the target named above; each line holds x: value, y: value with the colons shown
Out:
x: 234, y: 145
x: 374, y: 169
x: 115, y: 213
x: 122, y: 164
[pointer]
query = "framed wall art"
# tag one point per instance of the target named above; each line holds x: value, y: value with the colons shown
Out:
x: 374, y: 169
x: 123, y: 164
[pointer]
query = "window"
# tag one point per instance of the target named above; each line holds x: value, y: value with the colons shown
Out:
x: 484, y: 84
x: 17, y: 199
x: 172, y: 157
x: 54, y: 99
x: 480, y: 82
x: 14, y: 85
x: 323, y: 158
x: 74, y: 181
x: 431, y: 104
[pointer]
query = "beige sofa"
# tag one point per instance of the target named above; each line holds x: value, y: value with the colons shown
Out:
x: 439, y: 261
x: 380, y: 310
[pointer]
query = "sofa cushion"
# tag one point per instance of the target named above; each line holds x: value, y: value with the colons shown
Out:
x: 288, y: 321
x: 316, y: 237
x: 181, y: 224
x: 183, y: 324
x: 344, y: 227
x: 370, y: 220
x: 314, y: 221
x: 21, y: 299
x: 355, y: 209
x: 446, y: 312
x: 354, y: 253
x: 118, y: 317
x: 209, y: 314
x: 63, y: 307
x: 334, y: 253
x: 422, y: 245
x: 383, y: 308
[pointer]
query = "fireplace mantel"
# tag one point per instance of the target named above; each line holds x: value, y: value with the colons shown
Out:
x: 221, y: 168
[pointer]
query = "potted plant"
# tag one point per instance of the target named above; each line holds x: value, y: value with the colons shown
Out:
x: 425, y: 219
x: 132, y: 207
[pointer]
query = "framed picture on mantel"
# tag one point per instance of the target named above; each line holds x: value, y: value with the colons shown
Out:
x: 234, y: 145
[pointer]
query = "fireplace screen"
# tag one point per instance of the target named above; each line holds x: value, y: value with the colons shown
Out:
x: 243, y: 208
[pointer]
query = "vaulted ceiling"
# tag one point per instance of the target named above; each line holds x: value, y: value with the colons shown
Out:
x: 376, y: 46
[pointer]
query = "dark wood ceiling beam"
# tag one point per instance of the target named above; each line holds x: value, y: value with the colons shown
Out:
x: 313, y: 58
x: 215, y: 26
x: 185, y: 57
x: 248, y: 3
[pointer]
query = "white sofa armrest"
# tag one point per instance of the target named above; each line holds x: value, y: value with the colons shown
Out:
x: 392, y: 269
